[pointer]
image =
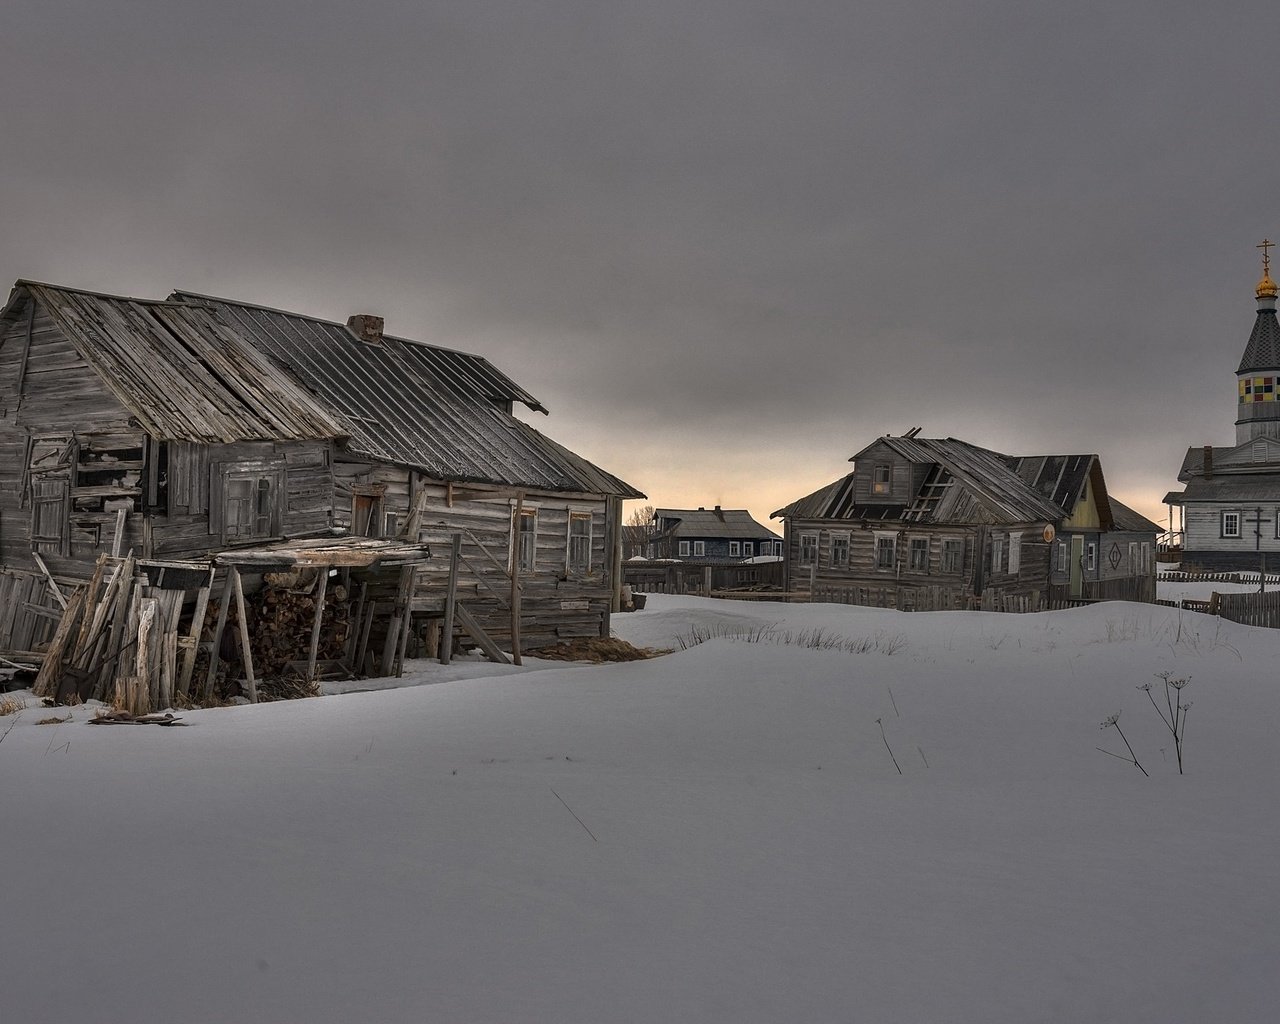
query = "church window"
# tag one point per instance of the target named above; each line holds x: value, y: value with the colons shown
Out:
x: 1231, y: 524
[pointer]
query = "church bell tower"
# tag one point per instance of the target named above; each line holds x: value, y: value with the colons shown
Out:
x: 1258, y: 412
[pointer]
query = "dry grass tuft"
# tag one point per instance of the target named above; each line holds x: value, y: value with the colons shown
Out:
x: 595, y: 649
x: 11, y: 705
x: 55, y: 720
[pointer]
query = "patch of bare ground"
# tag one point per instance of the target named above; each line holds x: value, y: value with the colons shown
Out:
x: 596, y: 649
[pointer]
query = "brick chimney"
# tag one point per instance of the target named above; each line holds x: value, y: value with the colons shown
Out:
x: 366, y: 327
x: 1208, y: 460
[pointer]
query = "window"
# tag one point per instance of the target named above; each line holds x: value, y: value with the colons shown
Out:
x: 1146, y: 556
x: 839, y: 550
x: 578, y: 558
x: 880, y: 477
x: 952, y: 556
x: 748, y: 549
x: 1231, y: 524
x: 919, y: 554
x: 886, y: 550
x: 808, y: 548
x: 997, y: 553
x: 1091, y: 556
x: 1062, y: 556
x: 1015, y: 552
x: 684, y: 549
x: 735, y: 549
x: 250, y: 505
x: 699, y: 548
x: 526, y: 540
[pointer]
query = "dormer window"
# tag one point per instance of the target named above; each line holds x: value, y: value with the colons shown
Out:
x: 880, y: 476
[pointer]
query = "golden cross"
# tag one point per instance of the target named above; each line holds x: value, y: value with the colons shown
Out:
x: 1266, y: 254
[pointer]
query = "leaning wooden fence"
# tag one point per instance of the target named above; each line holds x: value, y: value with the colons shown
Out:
x: 1249, y: 609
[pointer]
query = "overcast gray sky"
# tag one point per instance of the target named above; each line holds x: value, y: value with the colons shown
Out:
x: 727, y: 243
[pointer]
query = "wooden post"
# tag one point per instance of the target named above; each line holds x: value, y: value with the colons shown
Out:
x: 357, y: 661
x: 322, y: 586
x: 450, y: 601
x: 117, y: 542
x: 245, y: 652
x: 515, y: 581
x: 211, y: 678
x: 192, y: 646
x: 406, y: 603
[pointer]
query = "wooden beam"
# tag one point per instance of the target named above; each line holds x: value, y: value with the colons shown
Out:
x: 192, y: 648
x: 48, y: 576
x: 245, y: 652
x: 515, y: 581
x: 211, y: 678
x: 450, y: 601
x: 322, y: 586
x: 117, y: 542
x: 491, y: 650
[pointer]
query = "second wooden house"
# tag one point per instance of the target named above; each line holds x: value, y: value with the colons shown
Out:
x: 925, y: 523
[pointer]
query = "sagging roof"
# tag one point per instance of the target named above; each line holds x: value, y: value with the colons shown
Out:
x: 1015, y: 489
x: 196, y: 368
x: 183, y: 374
x: 731, y: 523
x: 993, y: 478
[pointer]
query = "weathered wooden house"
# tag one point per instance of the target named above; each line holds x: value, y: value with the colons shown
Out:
x: 713, y: 535
x: 193, y: 428
x: 1230, y: 502
x: 926, y: 523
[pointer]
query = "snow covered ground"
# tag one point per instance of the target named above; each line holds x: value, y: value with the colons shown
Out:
x: 715, y: 835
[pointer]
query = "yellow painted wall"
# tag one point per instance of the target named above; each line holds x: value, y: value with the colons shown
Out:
x: 1085, y: 516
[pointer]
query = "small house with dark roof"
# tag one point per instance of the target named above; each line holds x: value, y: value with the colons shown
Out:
x: 711, y: 535
x: 935, y: 523
x: 1229, y: 507
x: 190, y: 427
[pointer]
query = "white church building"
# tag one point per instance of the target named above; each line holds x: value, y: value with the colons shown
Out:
x: 1230, y: 504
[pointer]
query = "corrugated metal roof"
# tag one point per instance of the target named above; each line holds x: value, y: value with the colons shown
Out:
x: 183, y: 374
x: 731, y: 523
x: 415, y: 405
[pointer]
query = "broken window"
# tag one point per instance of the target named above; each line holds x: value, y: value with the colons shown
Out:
x: 526, y: 538
x: 366, y: 513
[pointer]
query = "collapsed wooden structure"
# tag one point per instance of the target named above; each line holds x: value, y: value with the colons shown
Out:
x: 231, y: 443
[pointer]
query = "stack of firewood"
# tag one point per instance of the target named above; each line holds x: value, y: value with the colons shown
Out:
x: 281, y: 621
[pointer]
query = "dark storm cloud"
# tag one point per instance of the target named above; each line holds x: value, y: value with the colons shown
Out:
x: 749, y: 237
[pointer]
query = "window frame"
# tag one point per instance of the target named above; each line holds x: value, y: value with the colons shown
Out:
x: 1223, y: 531
x: 885, y: 542
x: 879, y: 486
x: 699, y: 549
x: 735, y: 549
x: 997, y: 554
x: 1015, y: 552
x: 579, y: 567
x: 1091, y: 556
x: 915, y: 545
x: 840, y: 541
x: 518, y: 536
x: 262, y: 527
x: 952, y: 545
x: 682, y: 550
x: 807, y: 553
